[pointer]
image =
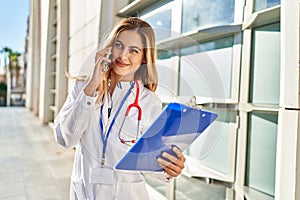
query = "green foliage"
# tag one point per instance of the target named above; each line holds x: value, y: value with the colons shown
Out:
x: 3, y: 89
x: 12, y: 55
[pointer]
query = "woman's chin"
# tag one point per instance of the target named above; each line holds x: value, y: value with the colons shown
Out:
x: 123, y: 75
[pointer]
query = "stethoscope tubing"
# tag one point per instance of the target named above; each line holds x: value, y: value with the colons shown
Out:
x: 137, y: 106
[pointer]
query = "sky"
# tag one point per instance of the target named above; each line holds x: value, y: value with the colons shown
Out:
x: 13, y: 23
x: 13, y: 26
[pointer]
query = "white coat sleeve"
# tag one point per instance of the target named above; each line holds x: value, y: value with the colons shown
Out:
x: 74, y: 116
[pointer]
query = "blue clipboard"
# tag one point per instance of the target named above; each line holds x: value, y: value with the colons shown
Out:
x: 178, y: 125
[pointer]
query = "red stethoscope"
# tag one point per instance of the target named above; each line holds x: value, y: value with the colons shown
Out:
x: 134, y: 104
x: 137, y: 106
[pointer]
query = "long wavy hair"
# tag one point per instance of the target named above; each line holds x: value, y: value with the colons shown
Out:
x: 147, y: 71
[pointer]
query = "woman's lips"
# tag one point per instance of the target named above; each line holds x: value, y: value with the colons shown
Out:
x: 121, y: 64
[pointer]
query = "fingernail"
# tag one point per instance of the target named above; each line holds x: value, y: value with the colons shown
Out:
x: 174, y: 146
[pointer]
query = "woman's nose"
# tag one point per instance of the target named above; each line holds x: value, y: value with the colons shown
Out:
x: 124, y: 54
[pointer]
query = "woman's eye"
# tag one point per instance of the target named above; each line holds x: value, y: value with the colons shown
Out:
x: 118, y: 45
x: 134, y: 51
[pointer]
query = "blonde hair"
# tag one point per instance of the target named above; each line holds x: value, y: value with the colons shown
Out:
x: 147, y: 71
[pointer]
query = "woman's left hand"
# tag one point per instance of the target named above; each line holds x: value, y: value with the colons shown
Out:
x: 175, y: 167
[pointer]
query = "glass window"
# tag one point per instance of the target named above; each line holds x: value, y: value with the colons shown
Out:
x: 263, y: 4
x: 211, y: 148
x: 161, y: 23
x: 206, y: 13
x: 167, y: 78
x: 265, y: 67
x: 205, y: 69
x: 194, y: 188
x: 261, y: 153
x: 157, y: 188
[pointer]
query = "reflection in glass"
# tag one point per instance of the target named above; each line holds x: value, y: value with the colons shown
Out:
x: 167, y: 78
x: 263, y: 4
x: 205, y: 69
x: 159, y: 187
x: 212, y: 147
x: 261, y: 156
x: 265, y: 67
x: 198, y: 14
x: 161, y: 23
x: 195, y: 188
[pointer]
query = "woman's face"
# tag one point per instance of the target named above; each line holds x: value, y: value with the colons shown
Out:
x: 127, y: 54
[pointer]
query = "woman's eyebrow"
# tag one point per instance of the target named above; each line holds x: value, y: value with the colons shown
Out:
x: 134, y: 47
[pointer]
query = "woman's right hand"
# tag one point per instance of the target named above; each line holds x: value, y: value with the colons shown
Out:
x: 98, y: 73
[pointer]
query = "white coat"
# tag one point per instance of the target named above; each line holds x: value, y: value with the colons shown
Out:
x: 78, y: 124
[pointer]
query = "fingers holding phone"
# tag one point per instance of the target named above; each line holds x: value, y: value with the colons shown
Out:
x: 103, y: 57
x: 102, y: 61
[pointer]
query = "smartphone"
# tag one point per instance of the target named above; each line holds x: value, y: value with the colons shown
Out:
x: 106, y: 64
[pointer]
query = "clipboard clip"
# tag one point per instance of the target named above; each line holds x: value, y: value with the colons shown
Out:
x: 192, y: 102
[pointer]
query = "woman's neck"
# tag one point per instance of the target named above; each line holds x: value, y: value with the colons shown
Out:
x: 115, y: 78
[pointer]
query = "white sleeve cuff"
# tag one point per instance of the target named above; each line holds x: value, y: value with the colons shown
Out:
x: 87, y: 101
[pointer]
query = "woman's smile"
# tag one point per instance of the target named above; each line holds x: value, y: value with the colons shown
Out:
x: 121, y: 63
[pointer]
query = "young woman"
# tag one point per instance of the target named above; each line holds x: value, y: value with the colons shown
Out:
x: 92, y: 117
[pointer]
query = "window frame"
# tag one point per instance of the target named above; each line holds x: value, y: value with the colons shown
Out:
x: 288, y: 15
x: 199, y: 36
x: 252, y: 20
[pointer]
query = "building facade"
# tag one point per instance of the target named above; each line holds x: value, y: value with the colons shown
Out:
x: 239, y: 59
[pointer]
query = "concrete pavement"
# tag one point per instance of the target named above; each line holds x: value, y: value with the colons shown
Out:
x: 32, y: 165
